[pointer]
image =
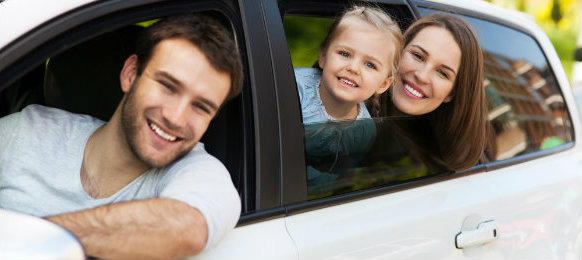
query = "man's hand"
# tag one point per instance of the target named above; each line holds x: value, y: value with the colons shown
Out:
x: 153, y: 228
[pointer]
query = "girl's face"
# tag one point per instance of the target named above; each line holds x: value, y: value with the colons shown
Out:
x: 428, y: 69
x: 356, y: 64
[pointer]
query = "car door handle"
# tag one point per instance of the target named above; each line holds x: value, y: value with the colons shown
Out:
x: 485, y: 232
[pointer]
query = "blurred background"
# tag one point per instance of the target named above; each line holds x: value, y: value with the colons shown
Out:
x: 561, y: 20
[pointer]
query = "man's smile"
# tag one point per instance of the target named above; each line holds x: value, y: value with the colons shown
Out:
x: 162, y: 134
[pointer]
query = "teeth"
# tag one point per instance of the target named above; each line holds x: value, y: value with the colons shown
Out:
x: 349, y: 82
x: 162, y: 134
x: 413, y: 91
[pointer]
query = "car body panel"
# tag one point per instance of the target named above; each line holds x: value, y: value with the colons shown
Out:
x: 265, y: 240
x: 537, y: 201
x: 418, y: 223
x: 13, y: 23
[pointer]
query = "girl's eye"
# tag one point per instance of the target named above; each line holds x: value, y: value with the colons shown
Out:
x: 345, y: 54
x: 370, y: 65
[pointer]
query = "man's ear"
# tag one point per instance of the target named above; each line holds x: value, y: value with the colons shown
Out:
x: 385, y: 85
x: 128, y: 73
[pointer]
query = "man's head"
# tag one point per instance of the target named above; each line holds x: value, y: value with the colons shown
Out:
x: 207, y: 33
x: 185, y: 68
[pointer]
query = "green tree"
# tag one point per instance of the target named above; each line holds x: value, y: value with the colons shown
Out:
x: 521, y: 6
x: 556, y: 12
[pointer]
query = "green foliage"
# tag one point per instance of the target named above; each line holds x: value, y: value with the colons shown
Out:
x: 556, y: 11
x: 304, y: 35
x: 564, y: 42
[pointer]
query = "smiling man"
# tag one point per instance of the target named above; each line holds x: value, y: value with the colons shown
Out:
x: 140, y: 185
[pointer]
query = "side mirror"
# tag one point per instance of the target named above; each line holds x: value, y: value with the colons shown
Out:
x: 27, y: 237
x: 578, y: 54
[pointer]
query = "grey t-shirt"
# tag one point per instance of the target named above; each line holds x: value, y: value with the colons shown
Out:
x: 41, y: 150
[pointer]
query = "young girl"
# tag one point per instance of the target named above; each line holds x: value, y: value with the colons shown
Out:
x: 357, y: 63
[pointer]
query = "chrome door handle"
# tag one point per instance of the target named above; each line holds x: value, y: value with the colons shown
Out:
x: 485, y: 232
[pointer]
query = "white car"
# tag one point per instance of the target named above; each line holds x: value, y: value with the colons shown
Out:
x: 523, y: 203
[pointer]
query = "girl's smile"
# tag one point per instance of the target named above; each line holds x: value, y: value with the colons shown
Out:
x: 356, y: 65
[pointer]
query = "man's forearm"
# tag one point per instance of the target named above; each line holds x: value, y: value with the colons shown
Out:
x: 154, y: 228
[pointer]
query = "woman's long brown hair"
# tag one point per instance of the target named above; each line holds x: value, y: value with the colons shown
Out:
x: 460, y: 125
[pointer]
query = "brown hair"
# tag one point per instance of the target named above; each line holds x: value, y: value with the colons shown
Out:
x: 459, y: 126
x: 377, y: 18
x: 205, y: 32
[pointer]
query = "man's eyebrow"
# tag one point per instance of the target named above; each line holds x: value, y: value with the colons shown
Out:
x: 426, y: 53
x: 168, y: 76
x: 209, y: 103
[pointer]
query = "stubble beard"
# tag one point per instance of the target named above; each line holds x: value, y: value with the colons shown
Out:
x: 130, y: 128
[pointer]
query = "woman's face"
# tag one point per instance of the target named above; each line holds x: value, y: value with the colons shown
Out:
x: 428, y: 69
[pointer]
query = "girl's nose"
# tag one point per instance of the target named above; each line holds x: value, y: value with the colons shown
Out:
x: 353, y: 67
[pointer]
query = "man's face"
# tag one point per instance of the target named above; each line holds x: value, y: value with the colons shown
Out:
x: 168, y: 108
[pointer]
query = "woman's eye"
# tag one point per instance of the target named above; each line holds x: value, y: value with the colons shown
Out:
x: 345, y: 54
x: 443, y: 74
x: 417, y: 55
x: 370, y: 65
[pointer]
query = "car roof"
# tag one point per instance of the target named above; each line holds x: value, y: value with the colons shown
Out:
x: 20, y: 16
x: 17, y: 17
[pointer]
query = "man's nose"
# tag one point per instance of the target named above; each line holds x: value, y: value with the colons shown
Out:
x: 176, y: 112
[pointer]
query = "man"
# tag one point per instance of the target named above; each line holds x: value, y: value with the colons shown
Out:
x: 140, y: 185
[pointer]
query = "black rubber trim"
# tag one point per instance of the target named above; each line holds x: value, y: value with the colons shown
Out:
x: 528, y: 157
x: 260, y: 216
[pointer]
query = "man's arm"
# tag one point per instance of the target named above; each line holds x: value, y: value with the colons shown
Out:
x: 153, y: 228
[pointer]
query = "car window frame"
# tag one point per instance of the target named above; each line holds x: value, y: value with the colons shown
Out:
x: 27, y: 51
x: 303, y: 206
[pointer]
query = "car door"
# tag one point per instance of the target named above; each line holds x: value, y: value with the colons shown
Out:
x: 522, y: 202
x: 95, y: 38
x: 536, y: 175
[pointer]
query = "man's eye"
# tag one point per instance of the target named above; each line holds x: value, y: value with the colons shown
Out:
x: 166, y: 85
x: 370, y: 65
x: 202, y: 108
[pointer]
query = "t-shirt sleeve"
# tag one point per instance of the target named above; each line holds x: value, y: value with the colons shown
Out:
x: 201, y: 181
x: 8, y: 127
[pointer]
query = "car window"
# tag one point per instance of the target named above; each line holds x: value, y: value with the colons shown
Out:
x: 526, y: 107
x: 84, y: 78
x: 350, y: 155
x: 525, y: 110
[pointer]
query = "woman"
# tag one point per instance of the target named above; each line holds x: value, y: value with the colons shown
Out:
x: 441, y: 77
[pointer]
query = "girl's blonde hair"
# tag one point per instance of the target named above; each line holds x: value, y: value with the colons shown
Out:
x: 381, y: 21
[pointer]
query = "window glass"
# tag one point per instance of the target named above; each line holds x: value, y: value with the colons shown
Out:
x: 349, y: 155
x: 304, y: 35
x: 346, y: 156
x: 526, y: 108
